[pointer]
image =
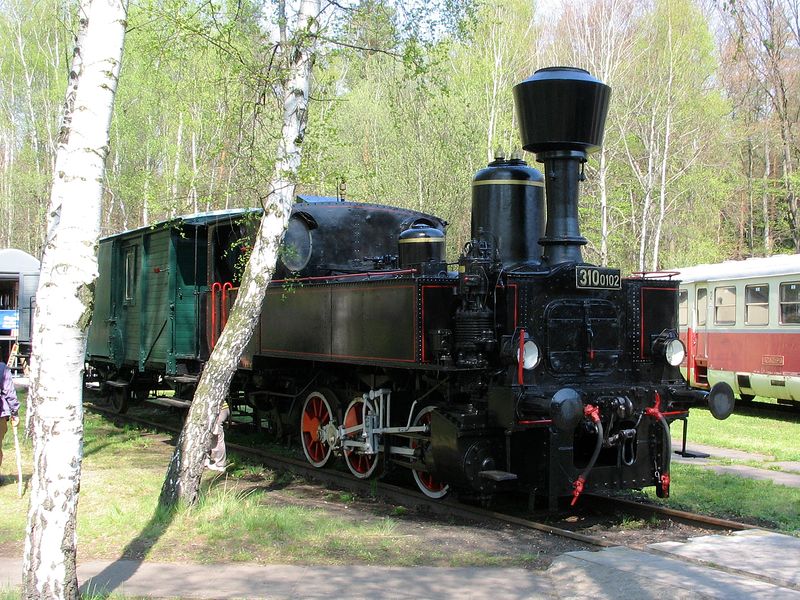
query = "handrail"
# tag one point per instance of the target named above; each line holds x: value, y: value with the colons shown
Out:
x: 347, y: 275
x: 655, y: 274
x: 226, y: 289
x: 216, y: 286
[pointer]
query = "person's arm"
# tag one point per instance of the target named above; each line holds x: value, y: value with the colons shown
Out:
x: 10, y: 398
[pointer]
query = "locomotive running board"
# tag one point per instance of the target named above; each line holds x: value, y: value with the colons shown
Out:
x: 497, y: 475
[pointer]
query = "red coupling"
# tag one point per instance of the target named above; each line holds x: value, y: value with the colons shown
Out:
x: 592, y: 412
x: 655, y: 410
x: 577, y: 490
x: 665, y: 485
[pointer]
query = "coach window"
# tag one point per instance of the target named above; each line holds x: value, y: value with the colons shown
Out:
x: 725, y: 305
x: 756, y: 304
x: 790, y: 303
x: 702, y: 306
x: 683, y: 308
x: 130, y: 275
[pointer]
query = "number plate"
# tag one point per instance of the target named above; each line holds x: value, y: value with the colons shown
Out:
x: 595, y: 278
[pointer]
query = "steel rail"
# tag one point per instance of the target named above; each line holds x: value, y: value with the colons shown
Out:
x: 646, y: 510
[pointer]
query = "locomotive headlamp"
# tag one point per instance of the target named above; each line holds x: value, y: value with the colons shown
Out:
x: 669, y: 348
x: 531, y: 355
x: 674, y: 352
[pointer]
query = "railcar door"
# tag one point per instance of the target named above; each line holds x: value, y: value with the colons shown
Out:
x: 99, y: 340
x: 191, y: 287
x: 699, y: 337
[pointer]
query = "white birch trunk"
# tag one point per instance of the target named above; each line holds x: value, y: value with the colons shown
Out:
x: 64, y: 303
x: 176, y: 170
x: 182, y: 481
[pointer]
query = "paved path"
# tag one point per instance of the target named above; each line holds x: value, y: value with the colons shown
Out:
x: 748, y: 565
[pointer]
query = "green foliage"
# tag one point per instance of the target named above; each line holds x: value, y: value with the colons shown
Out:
x: 409, y: 100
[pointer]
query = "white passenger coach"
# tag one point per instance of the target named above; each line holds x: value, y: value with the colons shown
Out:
x: 740, y: 321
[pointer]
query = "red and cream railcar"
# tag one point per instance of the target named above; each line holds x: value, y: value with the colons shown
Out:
x: 740, y: 321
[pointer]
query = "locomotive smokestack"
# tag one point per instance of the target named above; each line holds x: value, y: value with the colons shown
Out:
x: 562, y: 114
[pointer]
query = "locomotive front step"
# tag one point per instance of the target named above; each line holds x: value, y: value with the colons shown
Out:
x: 495, y: 475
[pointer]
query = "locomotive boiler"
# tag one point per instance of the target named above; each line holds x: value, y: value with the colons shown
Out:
x: 517, y: 366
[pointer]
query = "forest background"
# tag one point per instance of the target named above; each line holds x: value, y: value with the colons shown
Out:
x: 412, y: 98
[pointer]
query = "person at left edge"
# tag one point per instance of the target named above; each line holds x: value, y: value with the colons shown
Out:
x: 9, y: 406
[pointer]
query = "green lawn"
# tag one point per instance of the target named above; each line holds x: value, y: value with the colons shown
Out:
x: 761, y: 503
x: 242, y: 516
x: 775, y: 437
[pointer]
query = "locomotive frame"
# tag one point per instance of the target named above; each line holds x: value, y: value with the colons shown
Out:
x: 524, y: 369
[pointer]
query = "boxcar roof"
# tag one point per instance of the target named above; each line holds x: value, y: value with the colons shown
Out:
x: 203, y: 218
x: 781, y: 264
x: 17, y: 261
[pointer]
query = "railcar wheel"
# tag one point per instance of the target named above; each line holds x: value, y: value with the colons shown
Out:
x: 361, y: 465
x: 427, y: 483
x: 118, y: 399
x: 317, y: 414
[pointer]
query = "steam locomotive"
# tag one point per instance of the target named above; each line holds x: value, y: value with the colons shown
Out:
x: 524, y: 368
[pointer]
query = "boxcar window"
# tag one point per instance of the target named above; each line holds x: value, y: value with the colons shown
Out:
x: 756, y: 304
x: 130, y: 275
x: 702, y: 306
x: 683, y: 308
x: 725, y: 305
x: 790, y: 303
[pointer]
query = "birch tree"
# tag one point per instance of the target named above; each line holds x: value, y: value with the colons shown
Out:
x: 64, y: 301
x: 597, y: 36
x: 185, y: 470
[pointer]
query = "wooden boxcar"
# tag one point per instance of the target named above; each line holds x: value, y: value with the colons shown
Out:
x: 151, y: 300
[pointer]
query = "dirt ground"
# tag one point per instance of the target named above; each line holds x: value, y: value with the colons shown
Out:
x: 498, y: 543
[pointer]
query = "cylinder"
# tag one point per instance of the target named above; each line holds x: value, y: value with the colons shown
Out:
x: 508, y: 207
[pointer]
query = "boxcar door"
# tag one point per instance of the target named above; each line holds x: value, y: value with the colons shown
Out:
x: 125, y: 329
x: 103, y: 317
x: 191, y: 286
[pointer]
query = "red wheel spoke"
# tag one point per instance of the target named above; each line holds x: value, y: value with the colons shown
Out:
x: 316, y: 414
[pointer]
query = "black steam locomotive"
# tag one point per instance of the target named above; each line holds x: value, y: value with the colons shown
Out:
x: 523, y: 369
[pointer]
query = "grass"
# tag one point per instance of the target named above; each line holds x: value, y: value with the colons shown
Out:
x: 760, y: 502
x: 240, y: 515
x: 240, y: 518
x: 775, y: 437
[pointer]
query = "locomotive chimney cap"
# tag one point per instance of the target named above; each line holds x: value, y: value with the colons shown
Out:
x: 562, y: 109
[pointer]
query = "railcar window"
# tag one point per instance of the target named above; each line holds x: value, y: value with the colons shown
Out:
x: 683, y: 308
x: 130, y: 275
x: 756, y: 304
x: 725, y: 305
x: 702, y: 306
x: 790, y: 303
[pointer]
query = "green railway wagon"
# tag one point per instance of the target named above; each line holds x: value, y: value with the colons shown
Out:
x: 150, y: 321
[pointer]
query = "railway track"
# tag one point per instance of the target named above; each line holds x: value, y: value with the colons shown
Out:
x: 449, y: 508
